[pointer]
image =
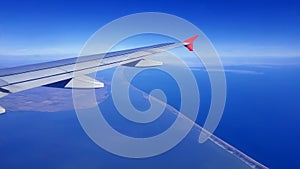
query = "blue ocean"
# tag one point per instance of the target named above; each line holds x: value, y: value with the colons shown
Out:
x: 261, y: 119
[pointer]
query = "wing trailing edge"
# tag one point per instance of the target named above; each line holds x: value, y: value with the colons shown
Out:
x: 144, y: 63
x: 77, y: 82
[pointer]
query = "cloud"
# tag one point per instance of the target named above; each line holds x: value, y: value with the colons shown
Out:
x: 255, y: 50
x: 238, y: 71
x: 40, y: 51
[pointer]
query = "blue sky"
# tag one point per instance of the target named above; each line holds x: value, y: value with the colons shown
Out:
x: 236, y: 28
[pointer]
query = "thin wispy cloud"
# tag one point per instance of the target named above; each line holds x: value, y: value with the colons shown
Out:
x: 39, y: 51
x: 227, y: 70
x: 252, y: 50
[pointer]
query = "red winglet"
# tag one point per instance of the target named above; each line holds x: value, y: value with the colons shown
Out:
x: 189, y: 42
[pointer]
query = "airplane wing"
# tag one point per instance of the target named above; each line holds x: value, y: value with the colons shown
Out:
x: 70, y: 73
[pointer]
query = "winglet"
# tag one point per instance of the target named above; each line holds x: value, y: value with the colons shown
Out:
x: 189, y: 43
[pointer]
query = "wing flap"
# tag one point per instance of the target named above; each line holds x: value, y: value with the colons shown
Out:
x: 2, y: 110
x: 84, y: 82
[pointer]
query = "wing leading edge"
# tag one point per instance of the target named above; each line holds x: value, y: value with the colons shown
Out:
x: 63, y: 73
